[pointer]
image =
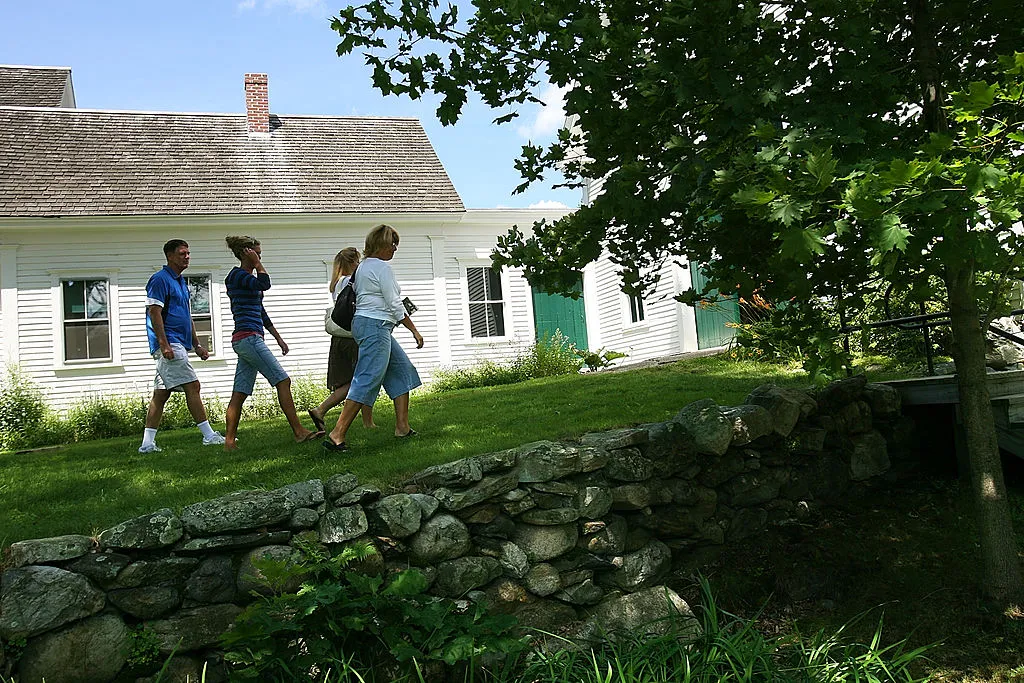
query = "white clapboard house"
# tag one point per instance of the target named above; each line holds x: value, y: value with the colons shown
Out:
x: 88, y: 197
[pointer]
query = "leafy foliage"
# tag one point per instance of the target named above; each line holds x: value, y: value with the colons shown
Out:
x: 550, y: 357
x: 26, y: 421
x: 342, y: 619
x: 601, y: 358
x: 804, y: 150
x: 143, y: 647
x: 21, y: 408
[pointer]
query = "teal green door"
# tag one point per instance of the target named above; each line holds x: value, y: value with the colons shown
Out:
x: 713, y: 318
x: 553, y: 312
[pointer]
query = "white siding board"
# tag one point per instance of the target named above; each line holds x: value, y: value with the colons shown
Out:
x: 296, y: 255
x: 658, y: 334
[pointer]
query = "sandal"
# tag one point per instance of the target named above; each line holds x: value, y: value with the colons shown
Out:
x: 411, y: 432
x: 318, y: 422
x: 335, y: 447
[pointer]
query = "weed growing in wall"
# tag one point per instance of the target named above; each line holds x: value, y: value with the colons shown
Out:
x: 342, y: 620
x: 143, y: 648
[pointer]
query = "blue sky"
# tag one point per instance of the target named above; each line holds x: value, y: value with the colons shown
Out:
x: 190, y: 55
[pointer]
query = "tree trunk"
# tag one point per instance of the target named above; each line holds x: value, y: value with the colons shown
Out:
x: 1001, y: 578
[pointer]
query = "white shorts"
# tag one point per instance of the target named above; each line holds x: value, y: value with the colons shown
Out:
x: 172, y: 374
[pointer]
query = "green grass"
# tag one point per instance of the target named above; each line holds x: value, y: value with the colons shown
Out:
x: 84, y: 488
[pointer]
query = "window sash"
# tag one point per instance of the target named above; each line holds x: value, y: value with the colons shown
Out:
x: 636, y: 308
x: 200, y: 294
x: 85, y: 308
x: 486, y: 303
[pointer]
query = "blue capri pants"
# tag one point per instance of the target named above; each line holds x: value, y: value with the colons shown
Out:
x: 254, y: 355
x: 382, y: 362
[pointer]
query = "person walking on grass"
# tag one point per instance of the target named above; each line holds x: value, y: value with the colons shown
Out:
x: 245, y: 286
x: 381, y: 362
x: 341, y: 360
x: 171, y: 336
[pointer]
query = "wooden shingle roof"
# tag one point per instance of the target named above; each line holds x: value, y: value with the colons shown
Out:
x: 76, y: 162
x: 33, y: 86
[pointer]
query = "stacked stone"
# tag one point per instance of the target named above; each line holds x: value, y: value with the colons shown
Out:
x: 579, y: 534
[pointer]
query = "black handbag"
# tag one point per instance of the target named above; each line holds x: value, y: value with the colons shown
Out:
x: 345, y: 305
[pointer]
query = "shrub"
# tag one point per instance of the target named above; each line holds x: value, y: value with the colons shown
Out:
x: 553, y: 357
x: 308, y: 392
x: 103, y: 417
x: 342, y: 620
x: 602, y: 358
x: 546, y: 358
x: 21, y: 408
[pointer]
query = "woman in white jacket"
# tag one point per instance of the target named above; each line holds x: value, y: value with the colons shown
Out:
x: 382, y: 362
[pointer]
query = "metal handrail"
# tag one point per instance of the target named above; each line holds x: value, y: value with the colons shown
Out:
x: 923, y: 322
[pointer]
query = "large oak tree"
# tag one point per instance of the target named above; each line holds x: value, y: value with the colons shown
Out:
x: 805, y: 149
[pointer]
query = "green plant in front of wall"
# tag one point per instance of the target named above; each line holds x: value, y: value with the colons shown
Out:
x: 340, y: 620
x: 602, y: 358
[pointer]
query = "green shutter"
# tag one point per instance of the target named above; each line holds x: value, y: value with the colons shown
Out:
x: 711, y: 320
x: 553, y: 312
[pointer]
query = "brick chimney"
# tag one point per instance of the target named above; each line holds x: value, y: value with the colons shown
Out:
x: 257, y: 104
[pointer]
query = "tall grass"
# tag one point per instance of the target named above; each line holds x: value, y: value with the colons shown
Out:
x: 730, y: 648
x: 550, y: 357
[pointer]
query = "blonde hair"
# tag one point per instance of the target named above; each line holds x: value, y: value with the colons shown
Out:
x: 380, y: 238
x: 239, y: 243
x: 349, y: 256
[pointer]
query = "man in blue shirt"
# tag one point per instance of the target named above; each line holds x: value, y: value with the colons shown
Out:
x: 171, y: 336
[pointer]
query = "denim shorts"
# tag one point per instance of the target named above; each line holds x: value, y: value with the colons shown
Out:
x: 382, y: 362
x: 173, y: 374
x: 254, y: 355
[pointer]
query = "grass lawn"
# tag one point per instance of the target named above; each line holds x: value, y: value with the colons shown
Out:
x: 85, y: 488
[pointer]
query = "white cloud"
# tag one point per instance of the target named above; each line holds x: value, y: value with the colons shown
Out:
x: 549, y: 117
x: 547, y: 204
x: 313, y: 6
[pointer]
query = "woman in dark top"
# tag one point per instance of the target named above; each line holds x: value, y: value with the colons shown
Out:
x: 245, y: 286
x: 341, y: 361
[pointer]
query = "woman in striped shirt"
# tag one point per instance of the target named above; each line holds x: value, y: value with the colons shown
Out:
x: 245, y: 285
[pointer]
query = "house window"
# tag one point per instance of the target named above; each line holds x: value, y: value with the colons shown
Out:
x: 86, y: 319
x: 636, y: 308
x: 202, y: 315
x: 486, y: 307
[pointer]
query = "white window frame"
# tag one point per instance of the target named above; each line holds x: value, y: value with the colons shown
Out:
x: 57, y: 277
x: 506, y: 301
x: 628, y: 324
x: 216, y: 351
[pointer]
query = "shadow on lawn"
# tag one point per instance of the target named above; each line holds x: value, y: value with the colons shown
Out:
x: 907, y: 554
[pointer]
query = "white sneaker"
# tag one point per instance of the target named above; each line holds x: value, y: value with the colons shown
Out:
x: 214, y: 440
x: 150, y: 448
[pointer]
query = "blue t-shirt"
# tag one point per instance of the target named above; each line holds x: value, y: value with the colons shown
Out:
x: 245, y: 291
x: 170, y: 290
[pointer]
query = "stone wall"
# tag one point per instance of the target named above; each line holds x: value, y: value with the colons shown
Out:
x: 577, y: 533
